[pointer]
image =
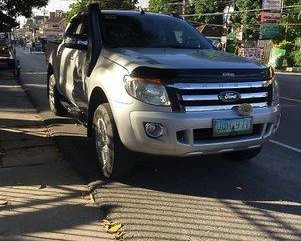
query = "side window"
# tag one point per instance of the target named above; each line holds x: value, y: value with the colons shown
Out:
x: 71, y: 28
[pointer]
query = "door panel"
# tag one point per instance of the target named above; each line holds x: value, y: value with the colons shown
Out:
x: 66, y: 72
x: 79, y: 89
x: 79, y: 80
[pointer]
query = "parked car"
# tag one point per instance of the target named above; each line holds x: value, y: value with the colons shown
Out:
x: 151, y: 83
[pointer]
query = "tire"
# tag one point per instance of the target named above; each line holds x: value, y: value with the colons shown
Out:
x: 54, y: 98
x: 243, y: 155
x: 113, y: 158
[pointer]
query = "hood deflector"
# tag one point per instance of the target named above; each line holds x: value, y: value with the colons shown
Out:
x: 170, y: 76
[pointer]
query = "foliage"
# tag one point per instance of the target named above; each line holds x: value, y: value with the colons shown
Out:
x: 289, y: 17
x: 209, y: 6
x: 248, y: 19
x: 17, y: 7
x: 280, y: 63
x: 232, y: 46
x: 80, y: 5
x: 165, y: 6
x: 296, y: 55
x: 287, y: 45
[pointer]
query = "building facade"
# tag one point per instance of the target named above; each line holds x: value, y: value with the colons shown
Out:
x: 55, y: 25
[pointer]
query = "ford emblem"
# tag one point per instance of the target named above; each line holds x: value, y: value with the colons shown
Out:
x: 229, y: 96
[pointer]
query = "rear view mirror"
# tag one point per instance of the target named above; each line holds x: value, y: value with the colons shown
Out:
x: 77, y: 41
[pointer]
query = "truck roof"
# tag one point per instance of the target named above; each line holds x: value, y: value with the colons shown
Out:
x: 129, y: 12
x: 132, y: 13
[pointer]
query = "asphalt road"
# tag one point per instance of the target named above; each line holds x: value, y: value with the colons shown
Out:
x: 204, y: 198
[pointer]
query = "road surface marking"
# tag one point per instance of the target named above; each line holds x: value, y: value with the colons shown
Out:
x: 35, y: 73
x: 286, y: 146
x: 285, y: 98
x: 36, y: 85
x: 287, y: 73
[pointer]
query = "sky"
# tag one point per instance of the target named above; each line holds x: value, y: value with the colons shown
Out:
x: 62, y: 5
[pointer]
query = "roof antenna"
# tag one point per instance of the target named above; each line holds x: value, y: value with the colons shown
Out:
x: 176, y: 15
x: 141, y: 10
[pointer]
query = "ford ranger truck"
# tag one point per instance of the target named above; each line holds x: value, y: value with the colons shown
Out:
x: 151, y: 83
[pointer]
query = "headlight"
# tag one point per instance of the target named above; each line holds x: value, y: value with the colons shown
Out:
x: 275, y: 87
x: 150, y: 91
x: 274, y: 83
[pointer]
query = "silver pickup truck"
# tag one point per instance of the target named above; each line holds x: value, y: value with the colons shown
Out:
x: 151, y: 83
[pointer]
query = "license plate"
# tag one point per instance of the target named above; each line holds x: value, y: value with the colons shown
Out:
x: 232, y: 127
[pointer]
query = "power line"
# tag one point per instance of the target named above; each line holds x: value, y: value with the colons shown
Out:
x: 236, y: 12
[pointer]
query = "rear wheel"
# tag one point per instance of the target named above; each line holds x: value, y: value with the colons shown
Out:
x: 113, y: 158
x: 243, y: 155
x: 54, y: 98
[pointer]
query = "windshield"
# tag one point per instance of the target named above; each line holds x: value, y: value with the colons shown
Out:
x: 150, y: 31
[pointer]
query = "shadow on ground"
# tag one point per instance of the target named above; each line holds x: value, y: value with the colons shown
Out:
x: 41, y: 198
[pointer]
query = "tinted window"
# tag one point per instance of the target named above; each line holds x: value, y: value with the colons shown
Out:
x: 150, y: 31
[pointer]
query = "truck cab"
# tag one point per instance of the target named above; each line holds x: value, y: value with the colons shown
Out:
x: 151, y: 83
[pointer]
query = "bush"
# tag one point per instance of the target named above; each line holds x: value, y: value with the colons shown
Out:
x: 289, y: 47
x: 280, y: 62
x: 296, y: 56
x: 231, y: 46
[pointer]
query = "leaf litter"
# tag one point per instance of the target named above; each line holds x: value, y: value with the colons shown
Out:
x: 113, y: 228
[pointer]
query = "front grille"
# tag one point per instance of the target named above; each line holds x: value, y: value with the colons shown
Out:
x: 192, y: 97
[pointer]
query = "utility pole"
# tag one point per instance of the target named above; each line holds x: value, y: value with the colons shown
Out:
x: 225, y: 25
x: 184, y: 7
x: 44, y: 21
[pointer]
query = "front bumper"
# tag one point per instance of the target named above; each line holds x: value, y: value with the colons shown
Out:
x: 130, y: 125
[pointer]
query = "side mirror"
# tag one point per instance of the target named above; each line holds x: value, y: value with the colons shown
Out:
x: 77, y: 41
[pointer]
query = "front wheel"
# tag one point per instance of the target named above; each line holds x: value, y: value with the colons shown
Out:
x: 243, y: 155
x: 114, y: 160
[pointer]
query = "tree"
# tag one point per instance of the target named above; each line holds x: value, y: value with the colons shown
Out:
x: 291, y: 19
x: 209, y: 6
x: 17, y: 7
x: 246, y: 18
x: 165, y: 6
x: 80, y: 5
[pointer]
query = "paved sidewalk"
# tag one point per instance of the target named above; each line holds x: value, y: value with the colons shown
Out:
x: 41, y: 198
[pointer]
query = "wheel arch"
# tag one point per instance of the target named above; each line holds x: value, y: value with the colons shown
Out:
x: 97, y: 98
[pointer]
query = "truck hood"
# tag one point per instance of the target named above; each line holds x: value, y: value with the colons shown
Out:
x: 131, y: 58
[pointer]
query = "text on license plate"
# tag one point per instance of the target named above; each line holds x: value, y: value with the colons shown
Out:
x: 228, y: 127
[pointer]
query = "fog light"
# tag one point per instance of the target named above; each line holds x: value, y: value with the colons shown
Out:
x: 153, y: 130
